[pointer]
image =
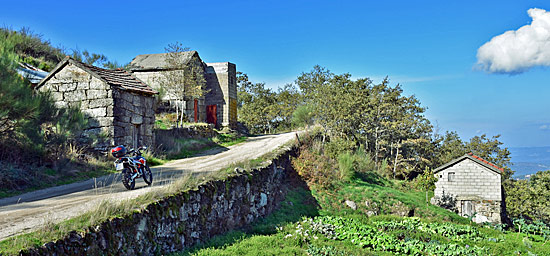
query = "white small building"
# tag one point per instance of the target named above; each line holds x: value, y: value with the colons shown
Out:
x: 476, y: 185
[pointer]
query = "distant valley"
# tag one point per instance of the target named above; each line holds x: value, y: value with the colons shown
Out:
x: 529, y: 160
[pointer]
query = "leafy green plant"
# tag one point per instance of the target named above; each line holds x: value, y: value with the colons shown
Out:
x: 365, y: 235
x: 447, y: 201
x: 345, y: 165
x: 532, y: 227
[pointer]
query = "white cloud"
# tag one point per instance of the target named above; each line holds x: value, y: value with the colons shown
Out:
x: 544, y: 127
x: 517, y: 51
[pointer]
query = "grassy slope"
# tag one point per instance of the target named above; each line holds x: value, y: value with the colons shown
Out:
x: 69, y: 171
x: 286, y: 235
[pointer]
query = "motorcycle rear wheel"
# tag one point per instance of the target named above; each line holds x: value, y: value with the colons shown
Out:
x: 147, y: 175
x: 127, y: 180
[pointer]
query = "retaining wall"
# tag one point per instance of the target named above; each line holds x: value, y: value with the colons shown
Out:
x: 185, y: 219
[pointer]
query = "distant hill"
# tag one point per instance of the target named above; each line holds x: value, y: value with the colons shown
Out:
x: 529, y: 160
x: 31, y: 48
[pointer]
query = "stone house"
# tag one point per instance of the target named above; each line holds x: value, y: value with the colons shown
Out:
x: 218, y: 106
x: 119, y: 106
x: 476, y: 184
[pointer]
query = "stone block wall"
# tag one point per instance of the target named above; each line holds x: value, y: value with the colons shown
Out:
x: 221, y: 80
x: 471, y: 180
x: 73, y: 86
x: 485, y: 210
x: 476, y: 188
x: 151, y: 78
x: 184, y: 219
x: 155, y: 78
x: 134, y: 119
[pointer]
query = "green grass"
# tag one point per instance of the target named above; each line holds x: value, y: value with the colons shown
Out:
x: 434, y: 232
x: 190, y: 147
x: 257, y: 239
x: 226, y: 140
x: 384, y: 195
x: 70, y: 172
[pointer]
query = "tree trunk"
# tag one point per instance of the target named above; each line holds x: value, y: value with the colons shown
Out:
x: 177, y: 113
x: 395, y: 162
x: 182, y: 113
x: 376, y: 146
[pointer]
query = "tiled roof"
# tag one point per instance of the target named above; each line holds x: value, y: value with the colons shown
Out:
x: 122, y: 78
x: 474, y: 158
x: 118, y: 78
x: 158, y: 61
x: 485, y: 161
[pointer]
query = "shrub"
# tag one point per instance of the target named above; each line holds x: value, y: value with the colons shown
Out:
x: 447, y: 201
x: 315, y: 168
x: 383, y: 169
x: 302, y: 116
x: 346, y: 162
x: 364, y: 162
x: 337, y: 146
x: 353, y: 164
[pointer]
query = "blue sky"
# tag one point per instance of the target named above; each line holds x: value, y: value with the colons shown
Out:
x: 429, y: 47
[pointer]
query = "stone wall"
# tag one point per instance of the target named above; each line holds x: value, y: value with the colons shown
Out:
x: 156, y: 78
x: 134, y: 119
x: 194, y: 131
x: 221, y: 80
x: 73, y: 86
x: 167, y: 140
x: 185, y: 219
x: 476, y: 188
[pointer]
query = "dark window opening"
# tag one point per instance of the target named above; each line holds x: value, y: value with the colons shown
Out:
x: 451, y: 177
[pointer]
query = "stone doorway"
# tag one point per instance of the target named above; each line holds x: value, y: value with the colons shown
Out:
x: 468, y: 208
x: 196, y: 109
x: 136, y: 135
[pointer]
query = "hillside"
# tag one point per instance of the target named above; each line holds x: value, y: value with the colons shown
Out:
x: 319, y: 222
x: 529, y: 160
x: 349, y: 207
x: 32, y: 48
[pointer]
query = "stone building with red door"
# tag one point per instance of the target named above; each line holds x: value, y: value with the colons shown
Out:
x: 218, y: 106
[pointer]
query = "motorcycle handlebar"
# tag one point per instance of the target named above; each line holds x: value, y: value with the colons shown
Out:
x: 132, y: 150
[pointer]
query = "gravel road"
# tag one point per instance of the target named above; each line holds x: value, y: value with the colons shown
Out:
x: 24, y: 213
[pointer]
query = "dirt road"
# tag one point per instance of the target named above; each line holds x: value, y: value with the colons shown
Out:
x: 27, y: 212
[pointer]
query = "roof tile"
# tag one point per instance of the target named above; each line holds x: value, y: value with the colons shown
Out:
x: 121, y: 78
x: 485, y: 161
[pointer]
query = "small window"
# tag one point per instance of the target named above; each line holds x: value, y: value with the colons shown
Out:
x: 451, y: 177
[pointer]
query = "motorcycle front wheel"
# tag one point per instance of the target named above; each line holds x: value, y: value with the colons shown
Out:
x: 147, y: 175
x: 127, y: 180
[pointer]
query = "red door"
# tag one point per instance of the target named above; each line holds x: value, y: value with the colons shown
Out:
x: 211, y: 115
x: 196, y: 110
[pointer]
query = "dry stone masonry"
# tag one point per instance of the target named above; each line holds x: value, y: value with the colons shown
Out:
x: 218, y: 106
x: 222, y: 84
x: 184, y: 219
x: 118, y: 106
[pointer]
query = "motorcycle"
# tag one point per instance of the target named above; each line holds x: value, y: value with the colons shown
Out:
x: 132, y: 165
